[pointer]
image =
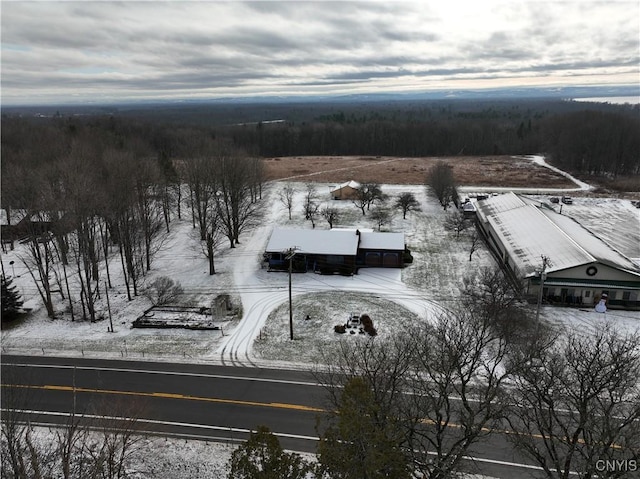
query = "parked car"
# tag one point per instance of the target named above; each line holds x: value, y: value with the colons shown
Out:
x: 554, y: 199
x: 567, y: 200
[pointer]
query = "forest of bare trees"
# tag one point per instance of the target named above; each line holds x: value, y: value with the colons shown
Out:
x: 104, y: 190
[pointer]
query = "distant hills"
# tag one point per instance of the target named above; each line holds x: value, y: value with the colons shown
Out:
x: 564, y: 93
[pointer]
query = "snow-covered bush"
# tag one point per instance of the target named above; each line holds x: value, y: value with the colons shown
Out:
x: 163, y: 290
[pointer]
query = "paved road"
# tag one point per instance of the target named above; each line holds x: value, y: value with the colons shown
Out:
x: 197, y: 401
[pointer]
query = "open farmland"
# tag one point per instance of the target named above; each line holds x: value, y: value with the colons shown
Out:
x: 468, y: 170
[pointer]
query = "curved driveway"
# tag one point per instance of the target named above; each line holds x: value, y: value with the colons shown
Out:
x: 262, y: 292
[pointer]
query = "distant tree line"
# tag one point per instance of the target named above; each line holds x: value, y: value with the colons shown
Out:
x: 583, y: 138
x: 594, y: 143
x: 590, y: 142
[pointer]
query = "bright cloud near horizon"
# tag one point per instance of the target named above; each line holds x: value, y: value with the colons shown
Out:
x: 61, y: 51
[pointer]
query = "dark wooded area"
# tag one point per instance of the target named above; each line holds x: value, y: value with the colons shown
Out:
x: 588, y: 138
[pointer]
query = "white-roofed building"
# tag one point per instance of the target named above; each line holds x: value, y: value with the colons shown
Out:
x: 377, y: 249
x: 581, y: 266
x: 334, y: 251
x: 346, y: 191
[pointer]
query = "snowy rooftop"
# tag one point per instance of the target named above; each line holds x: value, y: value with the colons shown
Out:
x: 314, y: 241
x: 378, y: 240
x: 528, y: 232
x: 527, y: 235
x: 590, y: 242
x: 498, y: 204
x: 350, y: 184
x: 335, y: 241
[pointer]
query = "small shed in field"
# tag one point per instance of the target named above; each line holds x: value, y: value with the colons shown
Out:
x: 346, y: 191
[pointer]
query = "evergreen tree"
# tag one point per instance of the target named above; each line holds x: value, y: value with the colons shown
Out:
x: 262, y: 457
x: 11, y: 302
x: 365, y: 441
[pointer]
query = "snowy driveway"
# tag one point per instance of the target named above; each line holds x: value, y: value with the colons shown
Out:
x: 261, y: 292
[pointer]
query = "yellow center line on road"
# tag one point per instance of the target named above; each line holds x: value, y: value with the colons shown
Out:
x: 297, y: 407
x: 165, y: 395
x: 509, y: 431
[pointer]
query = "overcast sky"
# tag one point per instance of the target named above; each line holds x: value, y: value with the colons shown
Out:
x: 54, y: 52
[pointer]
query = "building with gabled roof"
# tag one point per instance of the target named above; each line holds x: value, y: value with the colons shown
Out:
x: 334, y: 251
x: 346, y: 191
x: 582, y: 267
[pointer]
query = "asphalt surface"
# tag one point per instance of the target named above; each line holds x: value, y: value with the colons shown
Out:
x: 198, y: 401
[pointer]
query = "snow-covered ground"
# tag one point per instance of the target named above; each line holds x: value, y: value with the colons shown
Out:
x: 432, y: 281
x: 433, y: 278
x: 259, y: 333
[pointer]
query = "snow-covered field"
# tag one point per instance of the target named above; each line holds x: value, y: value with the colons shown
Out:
x: 259, y: 333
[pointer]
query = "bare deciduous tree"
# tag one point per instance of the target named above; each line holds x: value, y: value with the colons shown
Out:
x: 577, y: 405
x: 123, y: 216
x: 118, y: 440
x: 149, y: 207
x: 200, y: 177
x: 381, y: 216
x: 98, y: 446
x: 368, y: 194
x: 442, y: 183
x: 39, y: 263
x: 331, y: 214
x: 236, y: 208
x: 407, y: 202
x: 489, y: 293
x: 311, y: 205
x: 286, y: 197
x: 456, y: 222
x: 256, y: 178
x: 213, y: 240
x: 22, y: 454
x: 444, y: 395
x: 475, y: 240
x: 461, y: 379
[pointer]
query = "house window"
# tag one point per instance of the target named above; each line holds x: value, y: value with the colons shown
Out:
x: 587, y: 293
x: 626, y: 295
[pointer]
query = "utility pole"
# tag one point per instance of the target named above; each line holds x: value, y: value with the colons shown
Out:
x: 106, y: 291
x: 545, y: 262
x: 291, y: 252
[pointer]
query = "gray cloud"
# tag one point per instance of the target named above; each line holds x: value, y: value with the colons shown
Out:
x: 54, y: 51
